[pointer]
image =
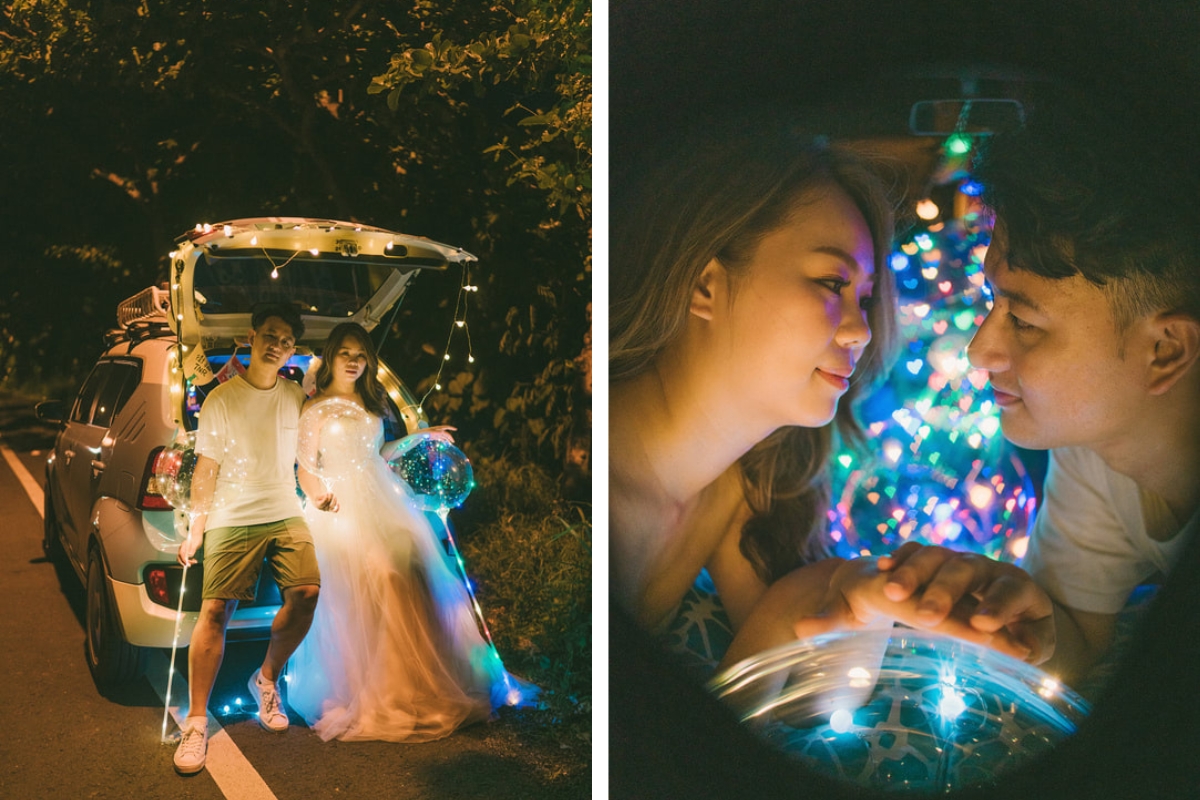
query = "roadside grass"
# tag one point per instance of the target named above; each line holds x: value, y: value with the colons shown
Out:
x: 529, y: 554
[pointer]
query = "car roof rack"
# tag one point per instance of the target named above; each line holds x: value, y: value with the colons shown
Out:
x: 145, y: 315
x: 149, y: 304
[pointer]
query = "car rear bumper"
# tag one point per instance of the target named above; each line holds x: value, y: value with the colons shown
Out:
x: 147, y: 624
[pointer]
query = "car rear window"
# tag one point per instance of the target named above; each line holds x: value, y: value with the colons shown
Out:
x: 326, y: 287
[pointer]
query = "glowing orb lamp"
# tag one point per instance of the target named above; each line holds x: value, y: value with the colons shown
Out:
x: 901, y: 709
x: 438, y: 473
x: 174, y: 469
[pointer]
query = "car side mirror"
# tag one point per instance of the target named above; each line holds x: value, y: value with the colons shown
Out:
x: 52, y: 411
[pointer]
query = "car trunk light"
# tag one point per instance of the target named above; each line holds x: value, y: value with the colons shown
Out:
x: 149, y: 498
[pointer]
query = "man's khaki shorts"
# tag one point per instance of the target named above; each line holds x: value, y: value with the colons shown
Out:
x: 233, y: 557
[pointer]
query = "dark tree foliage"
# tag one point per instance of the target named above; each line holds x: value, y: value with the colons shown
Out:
x: 124, y: 124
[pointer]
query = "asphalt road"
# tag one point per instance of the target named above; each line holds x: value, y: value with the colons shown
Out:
x: 61, y: 738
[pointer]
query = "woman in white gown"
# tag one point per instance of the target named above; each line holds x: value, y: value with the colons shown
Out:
x: 394, y: 652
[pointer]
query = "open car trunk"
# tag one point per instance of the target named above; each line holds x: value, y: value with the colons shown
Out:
x: 332, y: 271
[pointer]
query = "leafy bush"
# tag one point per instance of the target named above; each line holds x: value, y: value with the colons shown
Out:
x: 529, y: 553
x: 467, y: 123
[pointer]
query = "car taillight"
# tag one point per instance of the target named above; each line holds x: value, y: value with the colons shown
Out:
x: 156, y: 586
x: 163, y: 585
x: 160, y: 461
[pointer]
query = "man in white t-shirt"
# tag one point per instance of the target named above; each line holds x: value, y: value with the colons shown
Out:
x: 1091, y: 347
x: 247, y: 509
x: 1099, y: 534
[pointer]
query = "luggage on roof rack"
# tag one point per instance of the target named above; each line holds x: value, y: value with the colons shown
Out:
x: 150, y: 304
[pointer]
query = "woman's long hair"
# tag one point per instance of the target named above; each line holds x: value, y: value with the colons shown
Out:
x: 368, y: 385
x: 716, y: 195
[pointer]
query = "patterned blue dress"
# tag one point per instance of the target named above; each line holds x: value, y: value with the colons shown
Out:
x: 700, y: 632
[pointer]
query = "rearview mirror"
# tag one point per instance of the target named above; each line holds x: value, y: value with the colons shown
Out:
x: 978, y: 116
x: 51, y: 411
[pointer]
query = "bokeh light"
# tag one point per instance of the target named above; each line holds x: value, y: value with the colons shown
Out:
x: 938, y: 469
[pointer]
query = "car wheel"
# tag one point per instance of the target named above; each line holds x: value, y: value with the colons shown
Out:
x: 110, y: 658
x: 52, y: 545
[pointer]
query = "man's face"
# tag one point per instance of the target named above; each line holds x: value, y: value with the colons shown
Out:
x: 272, y: 343
x: 1055, y: 359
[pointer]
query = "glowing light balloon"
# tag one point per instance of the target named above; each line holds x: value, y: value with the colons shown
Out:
x: 174, y: 469
x: 438, y: 473
x: 336, y: 431
x: 901, y: 709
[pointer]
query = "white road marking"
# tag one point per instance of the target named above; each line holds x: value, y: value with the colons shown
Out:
x: 226, y: 764
x: 31, y: 486
x: 229, y: 769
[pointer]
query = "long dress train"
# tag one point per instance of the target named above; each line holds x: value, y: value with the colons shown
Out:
x: 394, y: 652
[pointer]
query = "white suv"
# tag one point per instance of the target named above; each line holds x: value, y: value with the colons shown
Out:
x: 174, y: 344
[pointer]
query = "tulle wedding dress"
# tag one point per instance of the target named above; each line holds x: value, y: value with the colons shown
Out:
x: 394, y: 652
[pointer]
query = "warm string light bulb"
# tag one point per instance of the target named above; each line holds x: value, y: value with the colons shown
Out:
x: 460, y: 322
x: 276, y: 267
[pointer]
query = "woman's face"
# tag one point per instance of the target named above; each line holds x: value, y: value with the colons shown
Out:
x: 349, y: 361
x: 795, y: 322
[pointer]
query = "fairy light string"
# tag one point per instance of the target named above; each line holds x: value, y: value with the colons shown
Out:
x: 459, y: 321
x: 465, y: 289
x: 513, y: 694
x: 174, y: 649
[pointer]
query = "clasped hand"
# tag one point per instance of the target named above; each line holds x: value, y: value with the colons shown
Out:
x: 961, y: 594
x: 326, y: 502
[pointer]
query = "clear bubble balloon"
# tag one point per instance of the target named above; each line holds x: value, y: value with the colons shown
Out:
x: 438, y: 473
x: 335, y: 433
x: 901, y: 709
x: 174, y: 469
